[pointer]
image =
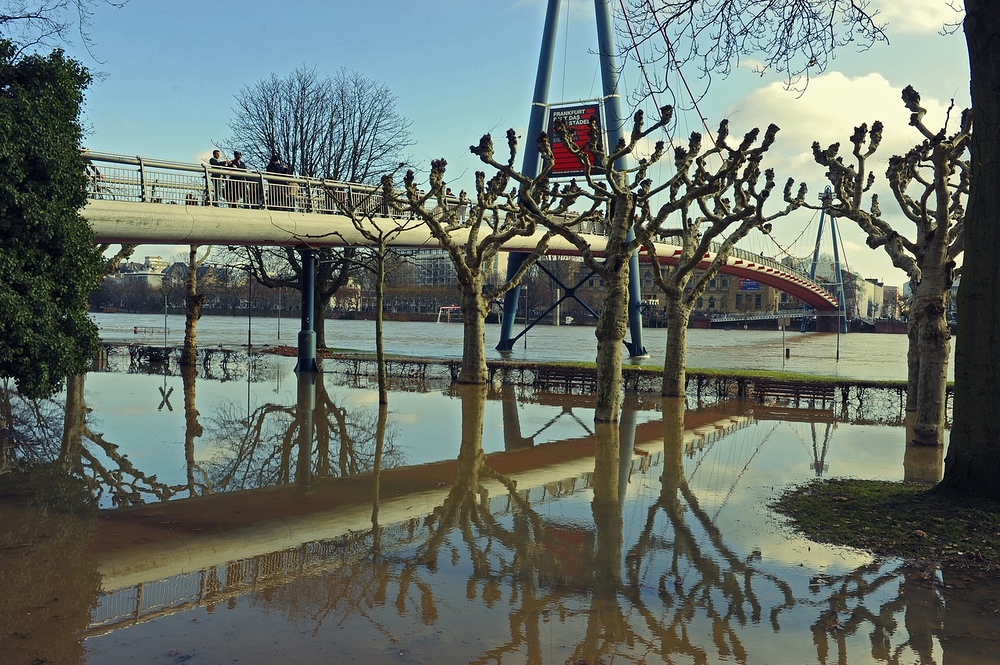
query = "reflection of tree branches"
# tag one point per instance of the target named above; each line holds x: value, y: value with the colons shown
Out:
x: 123, y: 481
x: 844, y: 613
x: 260, y: 448
x: 466, y: 509
x: 28, y: 429
x: 31, y: 432
x: 721, y: 574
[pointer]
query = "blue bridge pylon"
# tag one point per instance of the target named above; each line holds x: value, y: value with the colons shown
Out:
x: 536, y: 122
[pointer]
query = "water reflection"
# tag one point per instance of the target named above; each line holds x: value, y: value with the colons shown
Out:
x: 280, y: 444
x: 540, y: 538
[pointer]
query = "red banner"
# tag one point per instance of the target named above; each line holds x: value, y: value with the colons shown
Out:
x: 577, y: 119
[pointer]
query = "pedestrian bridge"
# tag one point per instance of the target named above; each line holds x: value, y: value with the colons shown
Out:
x: 147, y: 201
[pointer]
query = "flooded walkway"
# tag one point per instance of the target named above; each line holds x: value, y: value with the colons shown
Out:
x: 246, y: 517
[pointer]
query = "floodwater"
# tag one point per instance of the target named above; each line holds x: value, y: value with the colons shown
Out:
x: 851, y: 356
x: 252, y: 516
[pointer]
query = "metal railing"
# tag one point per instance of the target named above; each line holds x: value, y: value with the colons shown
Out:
x: 142, y: 180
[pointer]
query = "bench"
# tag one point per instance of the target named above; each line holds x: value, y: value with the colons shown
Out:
x: 793, y: 392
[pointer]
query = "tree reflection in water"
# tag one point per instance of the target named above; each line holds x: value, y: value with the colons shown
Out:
x: 280, y: 444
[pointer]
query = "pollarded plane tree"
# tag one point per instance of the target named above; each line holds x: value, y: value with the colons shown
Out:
x: 637, y: 211
x: 930, y: 184
x: 378, y: 231
x: 548, y: 205
x: 472, y: 232
x: 708, y: 227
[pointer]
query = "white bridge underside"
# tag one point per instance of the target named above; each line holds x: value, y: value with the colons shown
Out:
x: 165, y: 224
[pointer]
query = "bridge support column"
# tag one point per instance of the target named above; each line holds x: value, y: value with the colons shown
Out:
x: 536, y: 121
x: 636, y: 349
x: 307, y: 336
x: 529, y: 165
x: 506, y: 343
x: 613, y: 118
x: 305, y: 407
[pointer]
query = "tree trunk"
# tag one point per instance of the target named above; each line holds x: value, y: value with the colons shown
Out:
x: 607, y: 509
x: 674, y: 370
x: 192, y: 427
x: 319, y: 318
x: 192, y: 311
x: 383, y: 381
x: 672, y: 476
x: 74, y: 423
x: 474, y: 333
x: 610, y: 332
x: 972, y: 465
x: 928, y: 321
x: 912, y: 361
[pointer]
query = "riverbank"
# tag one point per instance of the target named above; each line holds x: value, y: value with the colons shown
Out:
x: 905, y: 521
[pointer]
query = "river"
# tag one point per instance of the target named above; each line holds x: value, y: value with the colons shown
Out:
x: 850, y: 356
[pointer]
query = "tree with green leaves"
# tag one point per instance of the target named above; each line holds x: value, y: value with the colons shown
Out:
x: 48, y: 260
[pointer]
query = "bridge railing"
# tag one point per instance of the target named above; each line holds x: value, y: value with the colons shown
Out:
x: 142, y: 180
x: 760, y: 259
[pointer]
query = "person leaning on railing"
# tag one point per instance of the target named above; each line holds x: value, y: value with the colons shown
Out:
x: 279, y: 194
x: 239, y: 188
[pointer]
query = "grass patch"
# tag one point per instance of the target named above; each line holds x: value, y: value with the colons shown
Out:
x: 897, y: 520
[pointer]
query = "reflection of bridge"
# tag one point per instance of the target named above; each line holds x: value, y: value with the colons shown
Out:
x: 163, y: 558
x: 144, y: 201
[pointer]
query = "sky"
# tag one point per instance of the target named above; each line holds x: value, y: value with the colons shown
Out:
x: 169, y: 73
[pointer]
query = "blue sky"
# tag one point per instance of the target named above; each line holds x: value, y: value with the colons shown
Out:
x: 460, y: 69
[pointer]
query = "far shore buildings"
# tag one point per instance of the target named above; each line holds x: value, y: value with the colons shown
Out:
x: 425, y: 281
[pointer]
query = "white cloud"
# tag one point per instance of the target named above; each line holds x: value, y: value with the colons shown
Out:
x: 917, y: 16
x: 827, y: 112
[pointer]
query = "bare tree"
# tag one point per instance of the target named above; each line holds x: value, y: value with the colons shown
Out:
x: 378, y: 233
x: 46, y: 24
x: 794, y: 37
x: 711, y: 225
x: 798, y: 37
x: 472, y: 233
x: 973, y: 461
x: 930, y: 184
x: 698, y: 192
x: 343, y: 128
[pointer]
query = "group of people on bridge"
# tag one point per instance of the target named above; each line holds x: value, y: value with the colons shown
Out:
x: 241, y: 191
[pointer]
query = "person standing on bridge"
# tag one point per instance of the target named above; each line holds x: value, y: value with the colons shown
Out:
x: 239, y: 189
x: 279, y: 194
x: 217, y: 180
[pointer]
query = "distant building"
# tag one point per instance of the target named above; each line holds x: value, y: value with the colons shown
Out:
x: 891, y: 306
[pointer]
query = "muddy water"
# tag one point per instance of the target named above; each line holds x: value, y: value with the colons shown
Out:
x: 288, y: 522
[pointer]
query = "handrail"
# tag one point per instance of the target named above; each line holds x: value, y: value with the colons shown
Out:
x: 204, y: 184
